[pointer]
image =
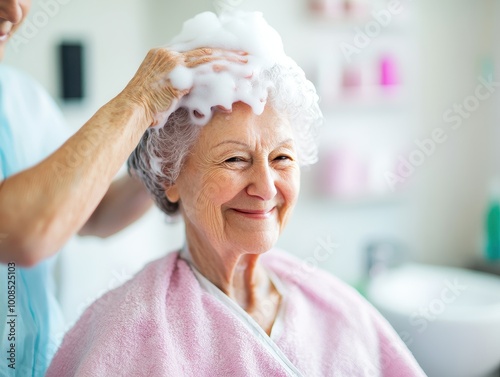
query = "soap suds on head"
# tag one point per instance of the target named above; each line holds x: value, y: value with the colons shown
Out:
x: 222, y: 83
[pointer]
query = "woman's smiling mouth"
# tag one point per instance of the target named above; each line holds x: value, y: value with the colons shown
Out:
x: 255, y: 213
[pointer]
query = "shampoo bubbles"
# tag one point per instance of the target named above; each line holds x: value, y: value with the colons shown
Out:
x: 220, y: 83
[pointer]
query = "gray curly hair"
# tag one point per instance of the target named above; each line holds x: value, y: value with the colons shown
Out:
x: 158, y: 158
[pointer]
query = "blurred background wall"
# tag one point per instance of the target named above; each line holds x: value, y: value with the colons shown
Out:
x: 380, y: 178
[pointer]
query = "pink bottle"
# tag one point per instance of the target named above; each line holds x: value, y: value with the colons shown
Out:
x: 389, y: 75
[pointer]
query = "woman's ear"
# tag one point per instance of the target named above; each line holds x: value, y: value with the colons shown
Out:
x: 172, y: 194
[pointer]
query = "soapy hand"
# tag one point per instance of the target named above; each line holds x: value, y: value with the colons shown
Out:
x: 151, y: 88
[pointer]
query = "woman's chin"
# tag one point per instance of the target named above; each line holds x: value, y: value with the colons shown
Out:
x: 250, y: 240
x: 256, y: 245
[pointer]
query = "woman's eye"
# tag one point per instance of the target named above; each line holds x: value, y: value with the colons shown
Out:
x: 234, y: 159
x: 283, y: 158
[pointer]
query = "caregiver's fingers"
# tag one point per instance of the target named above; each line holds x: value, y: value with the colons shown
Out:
x: 150, y: 88
x: 205, y: 51
x: 198, y: 57
x: 211, y: 59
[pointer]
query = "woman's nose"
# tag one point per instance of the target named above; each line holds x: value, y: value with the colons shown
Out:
x: 263, y: 183
x: 10, y: 10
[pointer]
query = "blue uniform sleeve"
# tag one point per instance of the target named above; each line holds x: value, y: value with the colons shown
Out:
x: 31, y: 127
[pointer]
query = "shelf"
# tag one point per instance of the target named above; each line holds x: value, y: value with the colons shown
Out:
x: 374, y: 99
x: 349, y: 16
x: 351, y: 26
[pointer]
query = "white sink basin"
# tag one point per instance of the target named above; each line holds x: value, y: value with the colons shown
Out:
x: 448, y: 317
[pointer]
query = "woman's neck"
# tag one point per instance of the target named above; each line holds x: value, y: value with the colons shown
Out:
x: 242, y: 278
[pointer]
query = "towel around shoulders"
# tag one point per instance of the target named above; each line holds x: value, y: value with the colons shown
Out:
x: 162, y: 323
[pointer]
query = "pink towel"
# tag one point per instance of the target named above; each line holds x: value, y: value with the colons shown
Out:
x: 162, y: 323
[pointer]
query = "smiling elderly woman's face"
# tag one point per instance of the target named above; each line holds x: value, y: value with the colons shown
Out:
x: 240, y: 182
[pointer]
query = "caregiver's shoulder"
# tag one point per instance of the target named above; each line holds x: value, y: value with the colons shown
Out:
x: 28, y: 95
x: 19, y: 80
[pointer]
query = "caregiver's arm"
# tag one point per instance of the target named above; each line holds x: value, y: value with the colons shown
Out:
x: 42, y: 207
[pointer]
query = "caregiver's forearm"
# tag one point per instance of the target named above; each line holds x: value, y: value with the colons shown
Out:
x: 42, y: 207
x: 126, y: 201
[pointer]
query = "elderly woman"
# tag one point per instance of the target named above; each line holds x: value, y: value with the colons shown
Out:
x: 227, y: 304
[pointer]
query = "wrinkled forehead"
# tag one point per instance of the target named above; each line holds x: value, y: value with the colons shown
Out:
x: 242, y: 124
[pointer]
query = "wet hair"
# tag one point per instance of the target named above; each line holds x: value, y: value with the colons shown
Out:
x: 158, y: 158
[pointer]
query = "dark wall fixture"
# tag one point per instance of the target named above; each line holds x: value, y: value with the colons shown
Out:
x: 71, y: 72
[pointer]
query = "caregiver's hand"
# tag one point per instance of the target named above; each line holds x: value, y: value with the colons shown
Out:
x: 151, y: 88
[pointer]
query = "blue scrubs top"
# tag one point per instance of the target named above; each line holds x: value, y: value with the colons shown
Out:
x: 31, y: 324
